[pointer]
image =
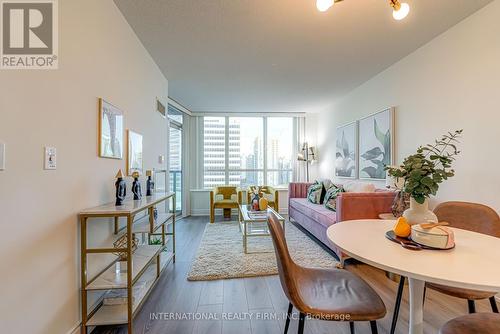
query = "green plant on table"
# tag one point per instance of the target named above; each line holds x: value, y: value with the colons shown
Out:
x: 424, y: 171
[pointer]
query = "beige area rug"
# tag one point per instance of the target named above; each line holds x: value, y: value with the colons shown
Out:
x: 221, y: 255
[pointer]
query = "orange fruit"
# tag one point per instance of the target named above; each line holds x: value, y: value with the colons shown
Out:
x: 402, y: 228
x: 263, y: 204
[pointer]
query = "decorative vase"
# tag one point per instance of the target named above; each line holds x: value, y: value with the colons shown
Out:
x: 419, y: 213
x: 121, y: 188
x: 150, y: 184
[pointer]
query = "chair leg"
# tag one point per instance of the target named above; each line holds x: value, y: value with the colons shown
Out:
x: 472, y: 306
x: 493, y: 303
x: 373, y: 326
x: 425, y: 292
x: 288, y: 315
x: 351, y: 327
x: 302, y: 320
x: 399, y: 296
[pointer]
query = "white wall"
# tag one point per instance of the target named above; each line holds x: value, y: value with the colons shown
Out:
x: 100, y: 56
x: 451, y: 83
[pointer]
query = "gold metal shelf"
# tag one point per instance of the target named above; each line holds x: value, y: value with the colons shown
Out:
x: 109, y: 279
x: 117, y: 314
x: 143, y: 267
x: 143, y: 225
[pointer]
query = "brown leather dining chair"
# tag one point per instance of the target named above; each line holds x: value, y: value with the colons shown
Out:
x: 326, y: 294
x: 468, y: 216
x: 477, y: 323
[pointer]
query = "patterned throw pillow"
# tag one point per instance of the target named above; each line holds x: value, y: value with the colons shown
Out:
x: 331, y: 197
x: 314, y: 192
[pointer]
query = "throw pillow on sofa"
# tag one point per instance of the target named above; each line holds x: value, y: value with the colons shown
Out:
x: 315, y: 192
x: 331, y: 197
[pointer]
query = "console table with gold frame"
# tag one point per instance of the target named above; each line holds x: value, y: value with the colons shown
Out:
x: 141, y: 270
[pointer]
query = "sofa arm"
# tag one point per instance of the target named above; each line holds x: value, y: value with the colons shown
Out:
x: 298, y: 189
x: 351, y: 206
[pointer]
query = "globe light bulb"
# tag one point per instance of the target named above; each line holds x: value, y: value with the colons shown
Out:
x: 324, y: 5
x: 402, y: 12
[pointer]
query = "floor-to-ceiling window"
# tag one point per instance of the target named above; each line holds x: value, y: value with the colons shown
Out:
x: 245, y: 151
x: 175, y: 149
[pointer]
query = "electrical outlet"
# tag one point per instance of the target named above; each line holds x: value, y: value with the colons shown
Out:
x: 2, y: 156
x: 50, y: 158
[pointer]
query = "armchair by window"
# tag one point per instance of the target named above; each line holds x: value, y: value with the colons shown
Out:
x: 226, y: 198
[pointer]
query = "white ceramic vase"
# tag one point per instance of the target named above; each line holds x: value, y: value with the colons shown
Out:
x: 419, y: 213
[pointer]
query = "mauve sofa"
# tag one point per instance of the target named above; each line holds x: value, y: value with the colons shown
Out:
x: 316, y: 219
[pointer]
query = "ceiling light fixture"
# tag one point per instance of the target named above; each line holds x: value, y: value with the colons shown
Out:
x: 400, y: 10
x: 324, y: 5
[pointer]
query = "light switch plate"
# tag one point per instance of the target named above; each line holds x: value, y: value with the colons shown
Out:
x: 2, y: 156
x: 50, y: 158
x: 161, y: 159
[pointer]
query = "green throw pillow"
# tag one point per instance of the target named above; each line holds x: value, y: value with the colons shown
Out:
x: 331, y: 197
x: 314, y: 193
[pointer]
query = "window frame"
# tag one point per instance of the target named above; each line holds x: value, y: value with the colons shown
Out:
x: 265, y: 170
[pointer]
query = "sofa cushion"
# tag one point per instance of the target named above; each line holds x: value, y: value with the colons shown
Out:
x: 316, y: 212
x: 331, y: 197
x: 359, y: 187
x: 315, y: 193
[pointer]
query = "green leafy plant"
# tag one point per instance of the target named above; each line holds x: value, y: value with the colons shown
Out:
x: 424, y: 171
x: 156, y: 241
x: 380, y: 158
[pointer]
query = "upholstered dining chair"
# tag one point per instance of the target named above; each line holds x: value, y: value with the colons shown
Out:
x: 272, y: 195
x: 226, y: 198
x: 326, y: 294
x: 478, y: 323
x: 468, y: 216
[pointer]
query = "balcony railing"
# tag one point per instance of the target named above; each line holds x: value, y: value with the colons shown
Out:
x: 176, y: 186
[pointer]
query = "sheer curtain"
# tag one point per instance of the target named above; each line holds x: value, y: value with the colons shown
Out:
x: 299, y: 128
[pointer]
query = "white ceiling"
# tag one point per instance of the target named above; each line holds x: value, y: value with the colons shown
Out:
x: 280, y: 55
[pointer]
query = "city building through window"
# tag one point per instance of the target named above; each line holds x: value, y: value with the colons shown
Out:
x: 245, y: 151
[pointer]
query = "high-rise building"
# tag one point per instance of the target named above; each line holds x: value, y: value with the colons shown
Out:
x: 215, y: 154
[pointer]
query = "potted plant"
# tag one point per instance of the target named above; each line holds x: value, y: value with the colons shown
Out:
x: 423, y: 172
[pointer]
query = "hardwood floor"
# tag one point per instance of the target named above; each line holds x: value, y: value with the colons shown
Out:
x: 258, y: 305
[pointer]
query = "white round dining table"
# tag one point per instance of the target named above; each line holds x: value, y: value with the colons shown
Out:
x: 472, y: 264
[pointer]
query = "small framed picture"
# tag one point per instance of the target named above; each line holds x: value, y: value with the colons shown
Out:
x: 110, y: 131
x: 134, y: 153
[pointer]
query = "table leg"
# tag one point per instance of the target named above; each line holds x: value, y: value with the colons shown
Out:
x: 245, y: 236
x: 416, y: 306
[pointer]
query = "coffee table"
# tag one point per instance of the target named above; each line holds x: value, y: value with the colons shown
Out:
x: 251, y: 226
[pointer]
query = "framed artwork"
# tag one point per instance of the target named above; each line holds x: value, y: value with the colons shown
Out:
x: 110, y: 131
x: 134, y: 153
x: 347, y: 151
x: 376, y: 144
